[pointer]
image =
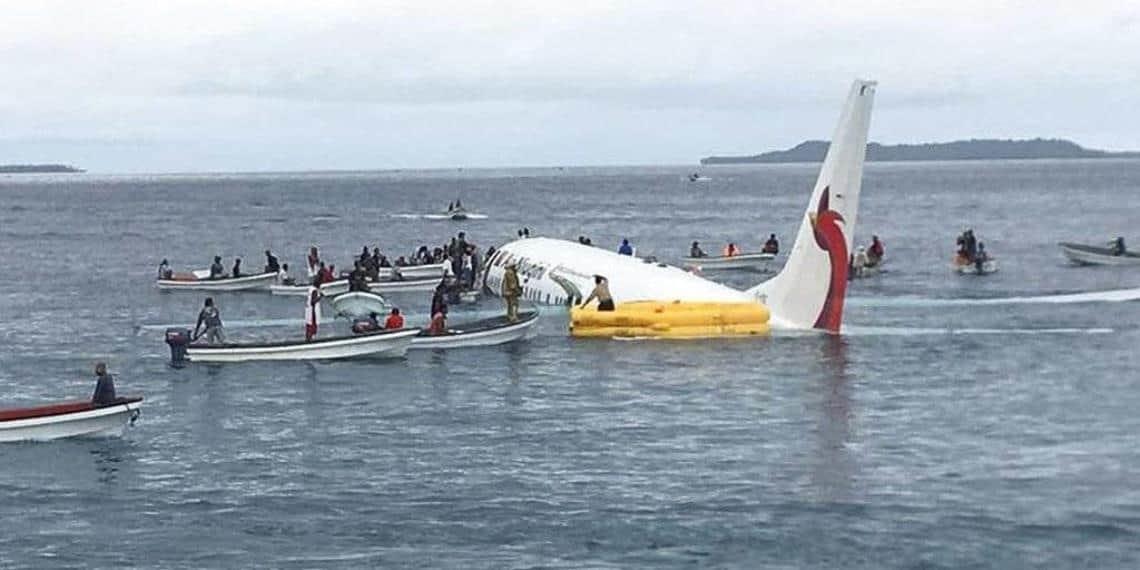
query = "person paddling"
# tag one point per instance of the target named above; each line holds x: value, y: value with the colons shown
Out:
x: 212, y: 319
x: 104, y: 386
x: 601, y: 292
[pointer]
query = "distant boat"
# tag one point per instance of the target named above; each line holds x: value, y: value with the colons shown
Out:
x: 1093, y: 255
x: 698, y: 177
x: 740, y: 261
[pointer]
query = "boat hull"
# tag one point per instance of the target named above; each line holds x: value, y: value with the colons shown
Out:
x: 988, y: 267
x: 1091, y: 255
x: 84, y: 421
x: 415, y: 271
x: 427, y: 284
x: 330, y: 289
x: 745, y: 261
x: 382, y: 344
x: 358, y: 304
x: 248, y: 283
x: 489, y: 332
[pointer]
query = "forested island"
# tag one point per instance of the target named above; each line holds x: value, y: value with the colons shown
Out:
x: 973, y: 149
x: 37, y: 168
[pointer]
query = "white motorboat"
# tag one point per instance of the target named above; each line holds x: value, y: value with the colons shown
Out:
x: 742, y: 261
x: 1092, y: 255
x: 988, y: 266
x: 415, y: 271
x: 485, y: 332
x: 331, y: 288
x: 70, y: 419
x: 378, y: 344
x: 358, y: 304
x: 423, y: 284
x: 200, y: 281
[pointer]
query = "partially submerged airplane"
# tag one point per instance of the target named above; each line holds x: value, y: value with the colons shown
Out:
x: 658, y: 300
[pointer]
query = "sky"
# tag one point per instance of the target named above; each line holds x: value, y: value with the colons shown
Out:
x: 257, y: 85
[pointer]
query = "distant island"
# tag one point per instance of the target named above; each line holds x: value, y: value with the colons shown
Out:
x: 37, y: 168
x: 973, y: 149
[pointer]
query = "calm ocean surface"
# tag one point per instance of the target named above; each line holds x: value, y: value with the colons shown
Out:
x: 935, y: 434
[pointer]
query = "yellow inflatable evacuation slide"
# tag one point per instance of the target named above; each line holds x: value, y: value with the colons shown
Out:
x: 674, y: 319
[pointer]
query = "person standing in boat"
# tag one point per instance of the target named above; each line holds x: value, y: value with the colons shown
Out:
x: 601, y: 292
x: 104, y: 386
x: 696, y: 251
x: 511, y: 291
x: 283, y: 277
x: 314, y: 261
x: 312, y: 310
x: 164, y: 271
x: 771, y: 246
x: 237, y: 268
x: 212, y: 319
x: 271, y: 263
x: 217, y: 270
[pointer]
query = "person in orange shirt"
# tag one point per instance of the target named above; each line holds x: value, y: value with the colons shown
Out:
x: 395, y: 320
x: 731, y: 250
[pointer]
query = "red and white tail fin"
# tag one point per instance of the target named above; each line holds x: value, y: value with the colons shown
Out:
x: 810, y: 290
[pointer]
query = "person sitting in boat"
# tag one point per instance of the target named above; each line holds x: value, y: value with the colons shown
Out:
x: 625, y: 248
x: 271, y: 263
x: 458, y: 204
x: 1117, y: 246
x: 859, y: 262
x: 164, y: 270
x: 212, y: 319
x: 326, y: 275
x: 696, y: 251
x: 217, y: 270
x: 971, y: 244
x: 731, y: 250
x: 365, y: 255
x: 875, y: 252
x: 104, y: 386
x: 601, y: 292
x: 771, y: 246
x: 283, y: 276
x: 356, y: 279
x: 237, y: 268
x: 981, y: 257
x: 395, y: 320
x: 312, y: 311
x: 438, y: 324
x: 372, y: 323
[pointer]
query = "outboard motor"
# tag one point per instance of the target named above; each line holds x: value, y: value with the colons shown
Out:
x: 178, y: 339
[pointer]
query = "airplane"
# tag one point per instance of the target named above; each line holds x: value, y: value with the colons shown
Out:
x: 808, y: 293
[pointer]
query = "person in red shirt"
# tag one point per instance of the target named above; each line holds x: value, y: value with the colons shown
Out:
x: 438, y: 321
x: 395, y: 320
x: 875, y: 252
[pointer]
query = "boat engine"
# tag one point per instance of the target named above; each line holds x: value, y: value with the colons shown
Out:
x: 178, y: 339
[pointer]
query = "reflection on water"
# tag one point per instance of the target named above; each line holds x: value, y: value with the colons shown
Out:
x: 834, y: 467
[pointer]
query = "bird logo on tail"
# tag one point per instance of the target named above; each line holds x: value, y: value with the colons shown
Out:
x: 826, y: 225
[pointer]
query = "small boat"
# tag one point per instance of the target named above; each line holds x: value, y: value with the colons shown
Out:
x: 425, y: 284
x: 69, y: 419
x: 696, y: 177
x: 742, y: 261
x: 416, y: 271
x: 378, y: 344
x: 358, y: 304
x: 200, y: 281
x: 330, y: 289
x: 485, y: 332
x: 1093, y: 255
x: 458, y: 214
x: 988, y: 266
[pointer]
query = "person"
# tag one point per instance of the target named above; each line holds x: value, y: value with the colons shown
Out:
x: 164, y: 271
x: 859, y: 263
x: 1117, y: 246
x: 365, y: 255
x: 625, y: 248
x: 526, y: 232
x: 212, y: 319
x: 369, y: 324
x: 312, y: 310
x: 438, y: 324
x: 467, y: 272
x: 771, y: 246
x: 104, y: 394
x: 520, y: 234
x: 283, y: 276
x: 450, y: 207
x: 731, y: 250
x: 980, y: 257
x: 357, y: 280
x: 314, y: 260
x: 325, y: 274
x: 237, y: 268
x: 971, y: 244
x: 601, y: 292
x: 271, y: 263
x: 875, y: 252
x: 437, y: 298
x: 458, y: 204
x: 394, y: 321
x: 217, y: 271
x: 696, y: 251
x: 511, y: 291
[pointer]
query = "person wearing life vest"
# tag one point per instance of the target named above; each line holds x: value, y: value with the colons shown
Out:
x: 731, y: 250
x: 395, y: 320
x: 312, y: 310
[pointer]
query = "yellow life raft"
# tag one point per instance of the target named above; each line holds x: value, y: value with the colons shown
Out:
x: 672, y: 319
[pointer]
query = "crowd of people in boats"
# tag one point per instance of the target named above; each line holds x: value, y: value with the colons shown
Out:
x: 867, y: 259
x: 971, y: 251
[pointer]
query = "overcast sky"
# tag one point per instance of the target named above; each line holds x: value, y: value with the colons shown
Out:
x: 247, y: 85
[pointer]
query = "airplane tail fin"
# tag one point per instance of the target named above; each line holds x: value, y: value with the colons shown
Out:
x: 810, y: 290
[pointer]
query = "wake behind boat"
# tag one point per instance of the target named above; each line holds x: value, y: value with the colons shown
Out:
x: 378, y: 344
x: 485, y: 332
x: 69, y: 419
x: 1093, y: 255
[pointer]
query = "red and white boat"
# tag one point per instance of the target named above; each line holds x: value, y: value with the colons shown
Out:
x: 68, y: 419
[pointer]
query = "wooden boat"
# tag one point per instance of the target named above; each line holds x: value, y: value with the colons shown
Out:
x: 200, y: 281
x: 1093, y: 255
x: 358, y: 304
x: 379, y: 344
x: 745, y: 261
x: 68, y: 419
x: 485, y: 332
